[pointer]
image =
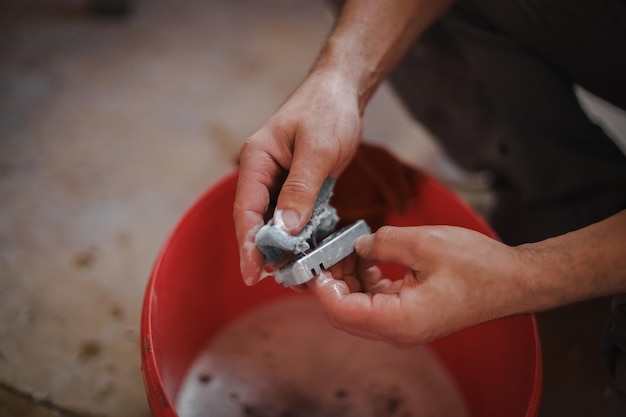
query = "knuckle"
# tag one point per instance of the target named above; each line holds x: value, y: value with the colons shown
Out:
x: 259, y: 139
x: 433, y: 237
x: 297, y: 186
x: 320, y: 145
x: 381, y: 237
x: 250, y: 147
x: 324, y: 147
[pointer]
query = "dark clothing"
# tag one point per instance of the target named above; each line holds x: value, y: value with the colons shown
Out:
x: 615, y: 347
x: 494, y: 81
x: 503, y: 101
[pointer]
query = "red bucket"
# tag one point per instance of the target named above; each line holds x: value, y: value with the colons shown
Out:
x: 196, y: 288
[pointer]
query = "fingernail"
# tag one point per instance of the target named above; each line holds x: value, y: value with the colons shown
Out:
x: 286, y: 219
x: 250, y: 281
x: 337, y: 287
x: 362, y: 242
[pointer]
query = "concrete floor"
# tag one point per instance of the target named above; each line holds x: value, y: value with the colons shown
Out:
x: 109, y: 130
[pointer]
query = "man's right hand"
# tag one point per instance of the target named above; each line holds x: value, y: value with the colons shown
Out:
x: 314, y: 134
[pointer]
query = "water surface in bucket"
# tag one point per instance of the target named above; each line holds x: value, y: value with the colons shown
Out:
x: 285, y: 360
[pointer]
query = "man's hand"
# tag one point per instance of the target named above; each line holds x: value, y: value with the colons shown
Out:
x: 313, y: 135
x: 455, y: 278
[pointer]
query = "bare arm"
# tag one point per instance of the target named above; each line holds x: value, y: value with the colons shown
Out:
x: 587, y: 263
x: 371, y: 37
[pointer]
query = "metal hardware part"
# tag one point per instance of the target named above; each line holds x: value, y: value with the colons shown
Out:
x: 330, y: 251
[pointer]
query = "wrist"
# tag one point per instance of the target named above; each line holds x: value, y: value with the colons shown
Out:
x: 342, y: 61
x: 336, y: 83
x: 548, y: 277
x: 535, y: 288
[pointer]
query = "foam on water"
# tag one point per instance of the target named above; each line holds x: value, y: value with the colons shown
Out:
x: 285, y: 360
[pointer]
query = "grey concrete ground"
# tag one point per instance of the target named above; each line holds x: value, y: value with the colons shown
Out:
x: 109, y: 130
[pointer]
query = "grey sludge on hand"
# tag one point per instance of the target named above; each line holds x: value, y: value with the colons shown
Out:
x: 275, y: 243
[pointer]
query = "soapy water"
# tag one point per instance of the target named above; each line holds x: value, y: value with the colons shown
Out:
x: 285, y: 360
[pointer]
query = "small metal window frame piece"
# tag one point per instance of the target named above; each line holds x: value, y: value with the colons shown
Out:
x: 330, y: 251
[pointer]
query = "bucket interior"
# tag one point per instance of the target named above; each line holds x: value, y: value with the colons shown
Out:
x: 196, y: 289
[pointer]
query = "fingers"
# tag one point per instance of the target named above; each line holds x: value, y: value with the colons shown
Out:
x: 310, y: 166
x: 360, y: 275
x: 256, y: 177
x: 366, y: 315
x: 313, y: 135
x: 374, y: 283
x: 320, y: 149
x: 262, y: 163
x: 346, y: 271
x: 394, y: 245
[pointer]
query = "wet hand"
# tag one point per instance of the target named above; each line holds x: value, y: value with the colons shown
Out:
x: 455, y: 278
x: 313, y: 135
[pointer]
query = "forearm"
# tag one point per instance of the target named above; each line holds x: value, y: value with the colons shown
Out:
x: 584, y: 264
x: 370, y: 38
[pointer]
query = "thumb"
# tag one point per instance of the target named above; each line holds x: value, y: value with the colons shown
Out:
x: 299, y: 191
x: 395, y: 245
